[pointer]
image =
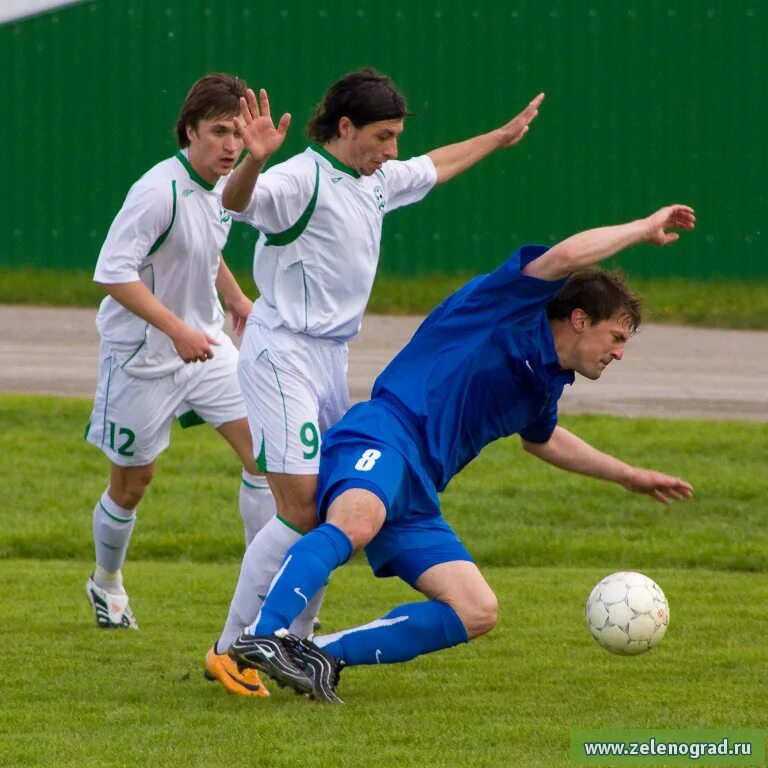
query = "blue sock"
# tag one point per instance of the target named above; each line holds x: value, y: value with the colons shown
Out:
x: 404, y: 633
x: 306, y: 568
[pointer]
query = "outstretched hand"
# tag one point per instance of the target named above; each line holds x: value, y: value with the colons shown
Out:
x: 658, y: 486
x: 669, y: 217
x: 511, y: 133
x: 260, y: 136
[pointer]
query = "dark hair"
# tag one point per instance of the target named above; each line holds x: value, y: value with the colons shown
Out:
x: 364, y: 96
x: 216, y: 95
x: 600, y: 294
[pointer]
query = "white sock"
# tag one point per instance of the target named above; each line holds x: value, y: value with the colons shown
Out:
x: 112, y: 528
x: 261, y: 562
x: 304, y: 624
x: 112, y: 581
x: 257, y: 505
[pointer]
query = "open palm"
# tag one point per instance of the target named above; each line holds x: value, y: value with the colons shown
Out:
x: 260, y: 136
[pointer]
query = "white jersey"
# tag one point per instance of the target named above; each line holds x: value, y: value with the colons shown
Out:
x: 319, y: 226
x: 168, y: 234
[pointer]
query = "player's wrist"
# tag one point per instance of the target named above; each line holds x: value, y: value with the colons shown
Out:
x: 175, y: 329
x: 255, y: 162
x: 627, y: 476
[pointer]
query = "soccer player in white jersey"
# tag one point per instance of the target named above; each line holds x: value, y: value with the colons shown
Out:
x: 319, y: 216
x: 163, y: 351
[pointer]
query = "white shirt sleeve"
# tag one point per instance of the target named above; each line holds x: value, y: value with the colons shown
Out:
x: 146, y: 215
x: 279, y: 198
x: 408, y: 181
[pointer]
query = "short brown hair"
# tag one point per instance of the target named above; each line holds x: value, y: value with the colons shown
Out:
x: 600, y: 294
x: 364, y: 96
x: 215, y: 95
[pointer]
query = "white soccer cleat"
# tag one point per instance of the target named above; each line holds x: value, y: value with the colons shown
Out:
x: 112, y: 610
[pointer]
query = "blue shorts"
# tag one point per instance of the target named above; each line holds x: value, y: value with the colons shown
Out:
x: 371, y: 449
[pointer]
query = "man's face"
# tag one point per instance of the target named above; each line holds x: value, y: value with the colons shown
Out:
x: 369, y: 147
x: 598, y: 344
x: 214, y: 146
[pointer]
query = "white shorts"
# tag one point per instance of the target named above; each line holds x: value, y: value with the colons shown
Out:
x: 131, y: 418
x: 295, y: 387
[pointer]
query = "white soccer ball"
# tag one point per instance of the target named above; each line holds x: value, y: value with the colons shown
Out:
x: 627, y: 613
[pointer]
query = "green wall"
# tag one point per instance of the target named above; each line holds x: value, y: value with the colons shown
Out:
x: 648, y: 102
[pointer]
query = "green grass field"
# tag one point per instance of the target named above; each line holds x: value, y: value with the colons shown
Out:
x: 76, y: 696
x: 704, y: 303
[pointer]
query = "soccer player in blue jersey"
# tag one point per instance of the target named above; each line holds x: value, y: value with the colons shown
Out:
x: 490, y: 361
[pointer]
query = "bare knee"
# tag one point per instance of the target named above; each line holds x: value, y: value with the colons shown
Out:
x: 479, y: 614
x: 127, y: 485
x: 460, y: 584
x: 359, y: 513
x: 295, y: 498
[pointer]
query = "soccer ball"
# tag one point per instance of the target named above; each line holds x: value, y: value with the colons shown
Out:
x: 627, y: 613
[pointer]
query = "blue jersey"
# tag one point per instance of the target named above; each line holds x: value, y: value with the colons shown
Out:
x: 481, y: 366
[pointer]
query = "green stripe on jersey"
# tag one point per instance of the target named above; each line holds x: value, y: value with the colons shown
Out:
x: 160, y: 240
x: 151, y: 268
x: 292, y: 233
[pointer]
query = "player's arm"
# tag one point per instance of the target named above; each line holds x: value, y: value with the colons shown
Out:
x: 190, y: 344
x: 567, y: 451
x: 452, y: 159
x: 238, y: 304
x: 592, y: 246
x: 262, y: 139
x: 145, y: 216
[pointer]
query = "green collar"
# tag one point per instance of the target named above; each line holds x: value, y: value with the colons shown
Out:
x: 193, y: 174
x: 334, y: 161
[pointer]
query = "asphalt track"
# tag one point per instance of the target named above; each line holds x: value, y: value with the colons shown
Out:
x: 667, y: 371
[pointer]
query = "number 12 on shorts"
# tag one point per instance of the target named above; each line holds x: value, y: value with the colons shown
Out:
x: 128, y: 434
x: 367, y: 460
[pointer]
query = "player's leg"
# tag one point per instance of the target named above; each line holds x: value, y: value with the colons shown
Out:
x: 130, y: 423
x: 257, y: 509
x: 257, y: 503
x: 353, y: 476
x: 312, y: 378
x: 408, y: 630
x: 442, y: 570
x: 460, y: 604
x: 359, y: 480
x: 114, y: 517
x: 461, y: 585
x: 213, y: 395
x: 295, y: 501
x: 355, y: 517
x: 282, y: 405
x: 415, y: 543
x: 353, y: 520
x: 283, y: 381
x: 333, y: 362
x: 266, y: 552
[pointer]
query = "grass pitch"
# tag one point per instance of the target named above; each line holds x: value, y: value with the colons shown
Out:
x: 77, y: 696
x: 73, y: 695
